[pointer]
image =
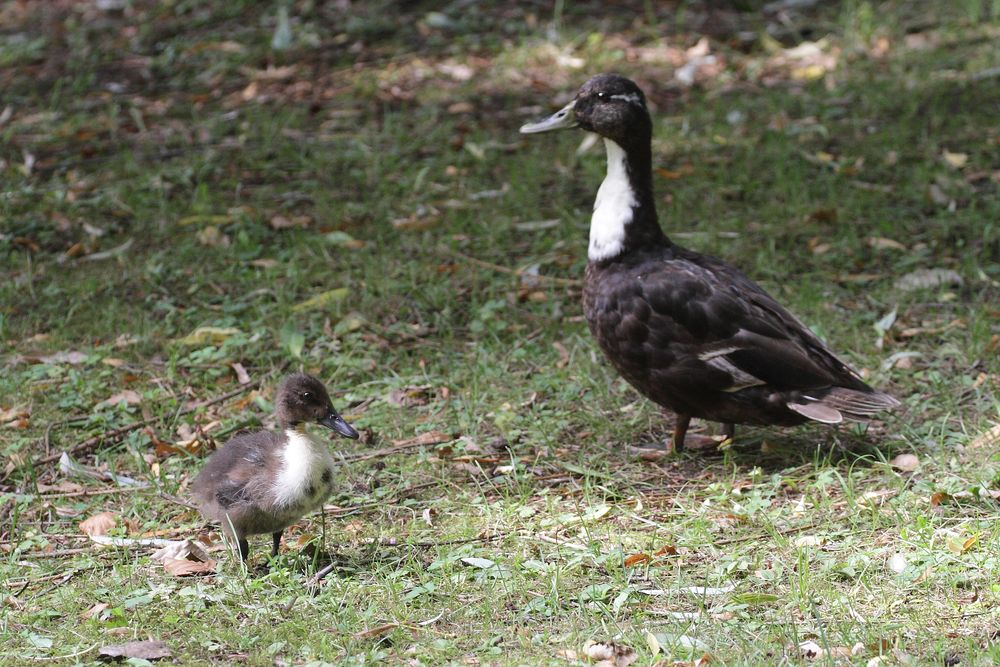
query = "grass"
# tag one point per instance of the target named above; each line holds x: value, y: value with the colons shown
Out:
x: 386, y: 138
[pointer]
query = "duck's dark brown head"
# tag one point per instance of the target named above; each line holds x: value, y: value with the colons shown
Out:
x: 610, y: 105
x: 302, y: 398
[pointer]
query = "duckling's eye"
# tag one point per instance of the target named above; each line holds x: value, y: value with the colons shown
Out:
x: 306, y: 396
x: 602, y: 95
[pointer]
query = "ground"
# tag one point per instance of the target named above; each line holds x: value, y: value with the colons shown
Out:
x: 200, y: 197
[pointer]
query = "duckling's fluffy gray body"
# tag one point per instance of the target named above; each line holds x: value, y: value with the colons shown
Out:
x: 262, y: 482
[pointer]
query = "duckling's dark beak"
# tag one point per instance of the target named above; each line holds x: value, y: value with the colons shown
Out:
x: 335, y: 422
x: 562, y: 119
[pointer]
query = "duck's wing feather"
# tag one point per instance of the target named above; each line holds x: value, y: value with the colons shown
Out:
x: 227, y: 480
x: 731, y: 325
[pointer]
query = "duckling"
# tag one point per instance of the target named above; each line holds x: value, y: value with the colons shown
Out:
x: 262, y: 482
x: 689, y: 331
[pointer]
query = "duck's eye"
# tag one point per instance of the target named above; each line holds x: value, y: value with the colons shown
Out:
x: 601, y: 95
x: 306, y: 396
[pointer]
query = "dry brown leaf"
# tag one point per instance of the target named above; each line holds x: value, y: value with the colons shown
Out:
x: 813, y: 651
x: 635, y: 559
x: 609, y: 654
x: 297, y: 221
x: 376, y: 631
x: 905, y: 462
x: 13, y: 413
x: 182, y: 567
x: 928, y: 278
x: 94, y: 611
x: 72, y: 357
x: 409, y: 397
x: 939, y: 497
x: 882, y: 243
x: 955, y: 160
x: 264, y: 263
x: 99, y: 524
x: 128, y: 396
x: 427, y: 438
x: 667, y: 550
x: 241, y: 373
x: 143, y: 650
x: 563, y: 354
x: 989, y: 438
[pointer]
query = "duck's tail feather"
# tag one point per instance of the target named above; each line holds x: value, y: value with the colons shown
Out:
x: 834, y: 405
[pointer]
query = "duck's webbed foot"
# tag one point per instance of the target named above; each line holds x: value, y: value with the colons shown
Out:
x: 681, y: 438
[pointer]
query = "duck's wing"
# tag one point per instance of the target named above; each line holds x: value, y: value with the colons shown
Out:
x: 226, y: 481
x: 747, y: 339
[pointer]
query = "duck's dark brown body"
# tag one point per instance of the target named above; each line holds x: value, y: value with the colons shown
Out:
x: 686, y: 330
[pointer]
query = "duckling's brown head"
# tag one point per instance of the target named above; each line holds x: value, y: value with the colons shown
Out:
x: 301, y: 398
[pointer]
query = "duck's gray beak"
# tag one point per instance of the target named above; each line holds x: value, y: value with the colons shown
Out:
x: 335, y: 422
x: 562, y: 119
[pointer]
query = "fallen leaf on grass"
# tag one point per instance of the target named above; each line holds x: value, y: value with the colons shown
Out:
x: 209, y: 336
x: 376, y: 631
x: 322, y: 300
x: 99, y: 524
x: 635, y: 559
x: 241, y: 373
x: 957, y: 545
x: 479, y: 563
x: 129, y: 397
x: 609, y: 654
x: 204, y: 220
x: 184, y: 558
x: 94, y: 611
x: 928, y: 278
x: 955, y: 160
x: 810, y: 541
x: 989, y: 438
x: 143, y: 650
x: 211, y: 236
x: 428, y: 438
x: 813, y: 651
x: 71, y: 357
x: 281, y: 222
x: 185, y: 568
x: 882, y: 243
x: 410, y: 397
x: 905, y: 462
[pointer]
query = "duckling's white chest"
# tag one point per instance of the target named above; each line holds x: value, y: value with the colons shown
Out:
x: 306, y: 474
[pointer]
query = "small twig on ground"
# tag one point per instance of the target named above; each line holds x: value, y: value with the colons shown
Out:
x: 757, y: 536
x: 117, y: 433
x: 570, y: 282
x: 330, y: 567
x: 379, y: 453
x: 92, y: 492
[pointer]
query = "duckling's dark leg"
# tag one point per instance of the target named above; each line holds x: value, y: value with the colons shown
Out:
x: 244, y: 548
x: 680, y: 431
x: 728, y: 431
x: 277, y: 542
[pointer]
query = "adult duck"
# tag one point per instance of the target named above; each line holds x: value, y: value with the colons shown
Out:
x: 689, y: 331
